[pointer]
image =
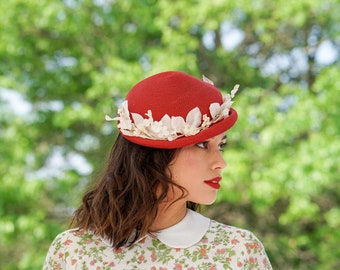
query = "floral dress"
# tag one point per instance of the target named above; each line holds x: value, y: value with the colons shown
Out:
x: 195, y: 243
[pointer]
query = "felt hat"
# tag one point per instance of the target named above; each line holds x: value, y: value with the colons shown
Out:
x: 173, y: 109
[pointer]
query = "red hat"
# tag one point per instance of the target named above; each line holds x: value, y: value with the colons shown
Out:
x: 173, y: 109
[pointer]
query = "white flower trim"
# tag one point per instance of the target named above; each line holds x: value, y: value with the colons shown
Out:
x: 171, y: 128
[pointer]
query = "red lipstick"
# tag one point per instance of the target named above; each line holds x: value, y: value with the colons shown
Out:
x: 214, y: 183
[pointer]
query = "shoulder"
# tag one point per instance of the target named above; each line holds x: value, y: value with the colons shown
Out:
x: 71, y: 236
x: 231, y: 231
x: 241, y: 244
x: 66, y: 244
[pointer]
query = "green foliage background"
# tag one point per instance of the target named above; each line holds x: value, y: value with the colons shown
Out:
x: 70, y: 61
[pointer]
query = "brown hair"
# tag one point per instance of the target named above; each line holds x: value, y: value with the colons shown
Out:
x: 123, y: 204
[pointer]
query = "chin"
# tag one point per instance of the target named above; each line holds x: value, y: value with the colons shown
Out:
x: 211, y: 202
x: 207, y: 201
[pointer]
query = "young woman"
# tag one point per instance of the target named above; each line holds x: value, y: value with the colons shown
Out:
x: 165, y: 162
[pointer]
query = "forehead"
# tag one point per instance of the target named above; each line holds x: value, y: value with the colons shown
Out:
x: 220, y: 137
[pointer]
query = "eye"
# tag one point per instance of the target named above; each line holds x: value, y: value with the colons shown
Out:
x: 203, y: 145
x: 222, y: 146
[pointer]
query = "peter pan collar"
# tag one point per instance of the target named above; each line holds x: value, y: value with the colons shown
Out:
x: 185, y: 233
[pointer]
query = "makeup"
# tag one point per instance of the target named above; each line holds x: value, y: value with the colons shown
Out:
x: 214, y: 183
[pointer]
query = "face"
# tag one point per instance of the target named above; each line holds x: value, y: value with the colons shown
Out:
x: 198, y: 169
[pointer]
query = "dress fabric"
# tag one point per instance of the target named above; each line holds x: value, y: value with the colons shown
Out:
x: 195, y: 243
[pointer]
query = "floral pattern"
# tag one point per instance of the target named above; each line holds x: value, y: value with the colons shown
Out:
x: 222, y: 247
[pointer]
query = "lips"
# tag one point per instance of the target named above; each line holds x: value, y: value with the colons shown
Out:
x: 214, y: 183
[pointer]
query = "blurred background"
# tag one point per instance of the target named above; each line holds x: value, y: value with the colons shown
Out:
x: 64, y: 65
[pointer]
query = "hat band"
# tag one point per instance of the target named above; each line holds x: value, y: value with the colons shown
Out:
x: 174, y: 127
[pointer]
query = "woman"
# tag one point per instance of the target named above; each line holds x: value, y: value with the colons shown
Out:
x: 165, y: 162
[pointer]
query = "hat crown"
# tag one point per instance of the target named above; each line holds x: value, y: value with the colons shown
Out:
x: 173, y: 93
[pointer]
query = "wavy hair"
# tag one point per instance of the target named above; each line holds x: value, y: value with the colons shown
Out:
x: 123, y: 204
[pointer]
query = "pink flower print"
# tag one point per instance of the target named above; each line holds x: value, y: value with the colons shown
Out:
x: 80, y: 232
x: 153, y: 256
x: 203, y: 253
x: 118, y: 250
x: 67, y: 242
x: 61, y: 255
x: 112, y: 264
x: 204, y: 240
x: 73, y: 261
x: 251, y: 259
x: 265, y: 262
x: 141, y: 258
x: 91, y: 262
x: 221, y: 251
x: 239, y: 264
x: 235, y: 241
x: 178, y: 266
x: 142, y: 241
x: 248, y: 247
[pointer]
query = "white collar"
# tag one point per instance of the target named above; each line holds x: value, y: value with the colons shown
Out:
x: 185, y: 233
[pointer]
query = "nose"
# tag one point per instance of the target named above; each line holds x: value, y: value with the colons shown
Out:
x: 218, y: 162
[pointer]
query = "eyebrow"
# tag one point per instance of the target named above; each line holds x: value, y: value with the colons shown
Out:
x: 224, y: 138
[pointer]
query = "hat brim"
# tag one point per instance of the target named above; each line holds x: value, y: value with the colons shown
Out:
x: 212, y: 131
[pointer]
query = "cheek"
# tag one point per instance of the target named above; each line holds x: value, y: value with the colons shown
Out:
x: 190, y: 159
x: 186, y: 170
x: 186, y: 165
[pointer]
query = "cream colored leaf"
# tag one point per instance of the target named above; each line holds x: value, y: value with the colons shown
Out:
x: 233, y: 92
x: 108, y: 118
x: 166, y: 120
x: 137, y: 119
x: 205, y: 79
x: 194, y: 117
x: 177, y: 124
x: 214, y: 109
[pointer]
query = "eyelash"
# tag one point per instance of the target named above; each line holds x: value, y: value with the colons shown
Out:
x: 222, y: 146
x: 204, y: 145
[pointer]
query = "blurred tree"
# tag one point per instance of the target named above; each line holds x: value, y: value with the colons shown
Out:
x: 69, y: 62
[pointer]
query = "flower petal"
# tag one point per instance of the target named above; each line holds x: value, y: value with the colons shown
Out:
x: 205, y: 79
x: 137, y: 119
x: 233, y: 92
x: 125, y: 124
x: 177, y: 124
x: 214, y: 109
x: 108, y: 118
x: 194, y: 117
x: 166, y: 120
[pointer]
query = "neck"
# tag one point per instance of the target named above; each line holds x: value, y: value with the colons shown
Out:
x: 169, y: 215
